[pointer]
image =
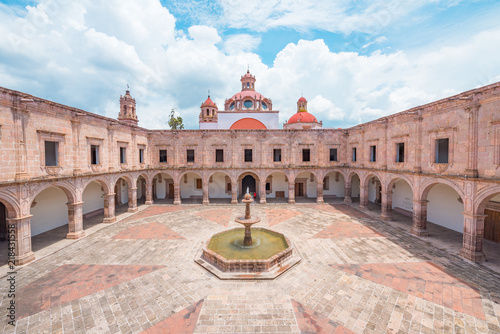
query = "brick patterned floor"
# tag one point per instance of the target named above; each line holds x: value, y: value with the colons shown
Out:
x: 219, y: 216
x: 149, y: 231
x: 310, y: 322
x: 70, y: 282
x: 276, y: 216
x: 358, y: 274
x: 182, y: 322
x: 346, y: 229
x: 423, y: 280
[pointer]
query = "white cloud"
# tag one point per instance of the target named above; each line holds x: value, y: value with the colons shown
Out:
x: 83, y: 54
x: 241, y: 43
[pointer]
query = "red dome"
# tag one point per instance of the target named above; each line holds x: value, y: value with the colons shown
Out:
x: 209, y: 103
x: 247, y: 124
x: 302, y: 117
x: 248, y: 93
x: 302, y: 99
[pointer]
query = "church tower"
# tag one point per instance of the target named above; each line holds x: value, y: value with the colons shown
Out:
x: 302, y: 104
x: 208, y: 112
x: 127, y: 109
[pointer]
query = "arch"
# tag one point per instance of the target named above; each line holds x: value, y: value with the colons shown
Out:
x: 351, y: 174
x: 156, y: 173
x: 333, y: 186
x: 279, y: 183
x: 307, y: 171
x: 243, y: 174
x: 125, y: 177
x: 192, y: 172
x: 247, y: 124
x: 338, y: 170
x: 219, y: 171
x: 484, y: 198
x: 13, y: 209
x: 283, y: 171
x: 369, y: 176
x: 145, y: 176
x: 65, y: 187
x: 426, y: 186
x: 394, y: 179
x: 103, y: 182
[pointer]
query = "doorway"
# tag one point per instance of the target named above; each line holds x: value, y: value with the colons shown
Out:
x: 248, y: 182
x: 492, y: 225
x: 3, y: 222
x: 170, y: 190
x: 299, y: 189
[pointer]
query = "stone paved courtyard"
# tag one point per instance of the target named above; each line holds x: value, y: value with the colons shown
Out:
x: 358, y: 274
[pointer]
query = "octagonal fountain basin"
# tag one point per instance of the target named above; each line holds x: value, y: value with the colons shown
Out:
x: 270, y: 255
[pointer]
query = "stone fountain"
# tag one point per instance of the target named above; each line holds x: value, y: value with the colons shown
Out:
x: 234, y: 254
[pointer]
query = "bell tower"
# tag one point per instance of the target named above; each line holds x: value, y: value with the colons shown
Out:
x: 127, y: 109
x: 302, y: 105
x: 208, y: 113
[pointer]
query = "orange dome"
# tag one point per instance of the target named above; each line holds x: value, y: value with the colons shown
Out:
x: 302, y: 99
x: 209, y: 103
x: 302, y: 117
x: 247, y: 124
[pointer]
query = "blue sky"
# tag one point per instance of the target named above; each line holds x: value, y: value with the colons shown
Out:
x: 353, y: 60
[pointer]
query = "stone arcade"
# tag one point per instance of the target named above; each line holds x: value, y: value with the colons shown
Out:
x: 438, y: 162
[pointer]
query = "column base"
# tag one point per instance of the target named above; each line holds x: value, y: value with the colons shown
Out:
x: 320, y: 201
x: 363, y: 208
x: 109, y: 220
x: 234, y: 201
x: 386, y: 217
x: 24, y: 259
x: 291, y: 201
x: 347, y: 200
x: 472, y: 256
x: 75, y: 235
x: 132, y: 210
x: 177, y: 202
x: 419, y: 232
x: 149, y: 202
x: 207, y: 202
x: 263, y: 201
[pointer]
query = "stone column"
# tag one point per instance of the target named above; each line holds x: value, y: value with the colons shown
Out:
x: 386, y: 206
x: 472, y: 248
x: 291, y: 191
x: 75, y: 221
x: 109, y: 208
x: 149, y: 193
x: 263, y: 192
x: 206, y: 200
x: 177, y: 193
x: 347, y: 193
x: 319, y: 192
x: 363, y: 198
x: 22, y: 252
x: 419, y: 226
x: 234, y: 193
x: 132, y: 200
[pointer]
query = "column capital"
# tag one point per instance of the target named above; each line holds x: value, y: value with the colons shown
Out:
x: 75, y: 204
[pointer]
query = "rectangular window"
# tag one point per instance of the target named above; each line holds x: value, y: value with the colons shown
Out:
x: 190, y: 155
x: 163, y: 156
x: 123, y: 156
x: 198, y: 184
x: 228, y: 186
x: 141, y: 155
x: 354, y: 154
x: 442, y: 150
x: 306, y: 154
x: 219, y: 155
x: 326, y: 183
x: 277, y: 155
x: 400, y: 152
x: 94, y: 154
x: 248, y: 155
x: 333, y: 154
x: 268, y: 186
x: 51, y: 153
x: 373, y: 153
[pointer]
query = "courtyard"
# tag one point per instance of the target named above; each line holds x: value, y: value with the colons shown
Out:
x: 357, y: 274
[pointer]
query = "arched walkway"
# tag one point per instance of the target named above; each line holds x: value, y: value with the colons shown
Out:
x: 219, y: 188
x: 333, y: 186
x: 163, y: 188
x: 191, y: 188
x: 306, y: 188
x: 277, y: 188
x: 251, y: 181
x: 93, y: 204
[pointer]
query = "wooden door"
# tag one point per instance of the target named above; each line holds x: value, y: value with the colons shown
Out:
x: 299, y: 189
x: 492, y: 225
x: 170, y: 190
